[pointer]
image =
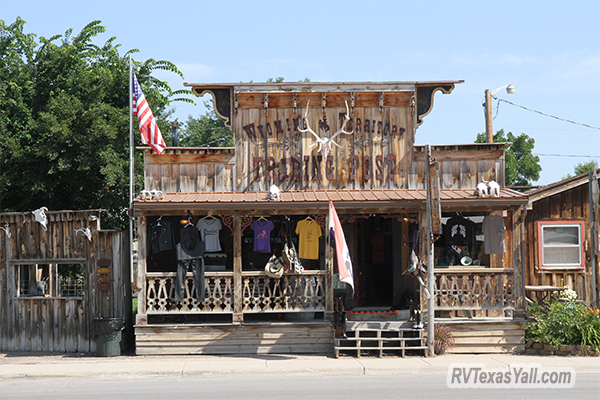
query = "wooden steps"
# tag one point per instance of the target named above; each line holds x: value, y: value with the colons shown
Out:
x: 384, y: 338
x: 486, y: 335
x: 249, y: 338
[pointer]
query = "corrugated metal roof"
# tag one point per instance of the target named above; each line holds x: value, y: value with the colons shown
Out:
x: 350, y: 197
x: 558, y: 187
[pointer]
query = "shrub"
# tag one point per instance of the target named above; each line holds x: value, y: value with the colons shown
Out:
x: 443, y: 338
x: 590, y: 329
x: 566, y: 293
x: 563, y: 323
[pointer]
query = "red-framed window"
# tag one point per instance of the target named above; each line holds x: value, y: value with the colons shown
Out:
x: 561, y: 244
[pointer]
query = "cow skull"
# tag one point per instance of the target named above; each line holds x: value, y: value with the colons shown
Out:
x: 325, y: 143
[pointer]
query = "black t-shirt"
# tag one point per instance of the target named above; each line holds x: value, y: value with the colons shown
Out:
x: 459, y: 231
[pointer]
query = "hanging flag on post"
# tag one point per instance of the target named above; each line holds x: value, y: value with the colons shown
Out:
x: 341, y: 248
x: 148, y: 128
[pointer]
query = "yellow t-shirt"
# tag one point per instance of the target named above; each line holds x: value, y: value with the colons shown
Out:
x: 309, y: 233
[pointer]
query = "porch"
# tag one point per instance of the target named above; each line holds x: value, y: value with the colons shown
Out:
x: 229, y: 338
x: 292, y: 293
x: 484, y: 308
x: 285, y: 315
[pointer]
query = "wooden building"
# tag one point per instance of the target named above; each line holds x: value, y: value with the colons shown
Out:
x: 358, y: 149
x: 58, y: 272
x: 562, y: 238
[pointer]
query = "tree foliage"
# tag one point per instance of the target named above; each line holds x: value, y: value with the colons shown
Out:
x: 207, y: 130
x: 64, y: 120
x: 583, y: 168
x: 521, y: 167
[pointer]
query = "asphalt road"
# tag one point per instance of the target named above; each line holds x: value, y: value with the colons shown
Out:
x: 249, y: 387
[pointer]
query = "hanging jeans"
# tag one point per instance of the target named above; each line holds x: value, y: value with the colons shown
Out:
x: 197, y: 266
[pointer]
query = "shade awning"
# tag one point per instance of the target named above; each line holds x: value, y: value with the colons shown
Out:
x: 373, y: 200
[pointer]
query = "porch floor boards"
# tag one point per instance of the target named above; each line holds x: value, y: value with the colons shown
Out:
x: 226, y: 338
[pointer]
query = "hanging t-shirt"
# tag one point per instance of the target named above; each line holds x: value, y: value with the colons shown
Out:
x: 309, y: 233
x: 493, y: 234
x: 161, y: 236
x: 209, y: 229
x: 190, y: 246
x: 262, y: 235
x: 459, y: 231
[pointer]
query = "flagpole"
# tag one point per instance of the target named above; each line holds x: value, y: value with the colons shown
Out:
x: 430, y: 262
x: 329, y: 301
x: 131, y: 170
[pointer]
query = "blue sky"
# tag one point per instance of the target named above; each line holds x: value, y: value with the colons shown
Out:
x: 549, y: 50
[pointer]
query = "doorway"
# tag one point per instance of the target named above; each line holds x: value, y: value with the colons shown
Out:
x: 380, y: 249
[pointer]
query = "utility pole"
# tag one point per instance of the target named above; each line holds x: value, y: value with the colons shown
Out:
x: 489, y: 132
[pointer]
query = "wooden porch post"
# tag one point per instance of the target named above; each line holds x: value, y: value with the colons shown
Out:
x: 518, y: 259
x: 238, y: 298
x: 139, y: 277
x: 522, y: 266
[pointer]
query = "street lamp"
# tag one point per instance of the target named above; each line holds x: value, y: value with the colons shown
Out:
x: 489, y: 133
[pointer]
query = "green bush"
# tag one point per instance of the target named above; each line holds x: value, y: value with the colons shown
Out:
x: 563, y: 323
x: 134, y: 307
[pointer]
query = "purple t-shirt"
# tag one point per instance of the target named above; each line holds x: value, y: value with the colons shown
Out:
x: 262, y: 235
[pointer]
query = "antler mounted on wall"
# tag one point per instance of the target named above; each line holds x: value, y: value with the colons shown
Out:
x: 325, y: 143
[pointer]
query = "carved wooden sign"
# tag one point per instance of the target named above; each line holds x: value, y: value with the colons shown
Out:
x: 104, y: 275
x: 297, y: 144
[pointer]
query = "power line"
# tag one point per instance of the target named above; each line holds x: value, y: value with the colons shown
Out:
x: 547, y: 115
x: 511, y: 127
x: 562, y: 155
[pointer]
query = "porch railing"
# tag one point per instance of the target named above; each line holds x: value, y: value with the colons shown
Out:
x: 474, y: 289
x: 290, y: 293
x: 160, y: 293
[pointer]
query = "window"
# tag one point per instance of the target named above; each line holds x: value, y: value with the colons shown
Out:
x: 560, y: 245
x: 51, y: 280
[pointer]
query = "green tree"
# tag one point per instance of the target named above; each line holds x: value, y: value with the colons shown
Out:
x: 583, y: 168
x: 207, y: 130
x: 521, y: 167
x: 64, y: 120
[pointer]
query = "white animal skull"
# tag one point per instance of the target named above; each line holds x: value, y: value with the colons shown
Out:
x: 40, y: 216
x: 482, y: 189
x: 274, y: 193
x: 494, y: 188
x: 157, y: 194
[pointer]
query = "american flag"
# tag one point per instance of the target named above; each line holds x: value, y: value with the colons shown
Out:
x: 148, y: 127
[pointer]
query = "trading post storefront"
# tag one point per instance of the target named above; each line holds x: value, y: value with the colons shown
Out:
x: 298, y: 146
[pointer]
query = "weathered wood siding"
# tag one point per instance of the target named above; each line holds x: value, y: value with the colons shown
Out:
x: 42, y: 323
x: 460, y: 166
x: 267, y: 338
x: 190, y: 170
x: 569, y: 205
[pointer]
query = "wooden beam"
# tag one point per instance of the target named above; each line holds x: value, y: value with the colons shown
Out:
x: 165, y: 158
x: 238, y: 298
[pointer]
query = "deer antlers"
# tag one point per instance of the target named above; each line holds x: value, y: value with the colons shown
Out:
x: 325, y: 143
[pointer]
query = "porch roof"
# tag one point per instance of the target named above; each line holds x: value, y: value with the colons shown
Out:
x: 348, y: 201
